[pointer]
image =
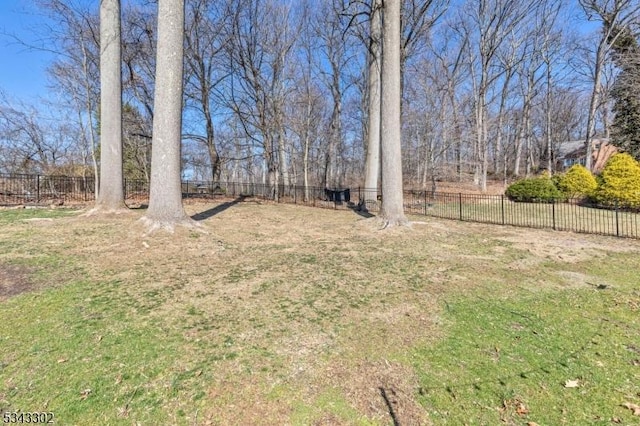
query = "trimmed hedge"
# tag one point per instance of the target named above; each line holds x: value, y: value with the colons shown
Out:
x: 577, y: 182
x: 538, y: 189
x: 619, y: 182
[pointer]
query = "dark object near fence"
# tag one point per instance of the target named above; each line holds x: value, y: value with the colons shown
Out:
x: 338, y: 195
x: 577, y: 215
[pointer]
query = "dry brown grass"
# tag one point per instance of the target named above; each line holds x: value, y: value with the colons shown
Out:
x: 280, y: 306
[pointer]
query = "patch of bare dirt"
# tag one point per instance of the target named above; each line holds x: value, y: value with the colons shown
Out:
x: 14, y: 280
x: 566, y: 247
x: 572, y: 279
x: 384, y: 391
x: 245, y: 402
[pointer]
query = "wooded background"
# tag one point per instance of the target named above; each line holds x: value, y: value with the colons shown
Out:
x: 491, y: 89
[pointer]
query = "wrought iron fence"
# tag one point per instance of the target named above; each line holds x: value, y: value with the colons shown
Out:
x: 575, y: 215
x: 40, y: 189
x: 572, y: 215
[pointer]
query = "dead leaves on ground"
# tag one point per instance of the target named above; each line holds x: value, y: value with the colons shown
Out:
x: 572, y: 383
x: 633, y: 407
x: 512, y: 406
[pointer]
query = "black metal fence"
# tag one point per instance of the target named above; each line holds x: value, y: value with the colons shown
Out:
x: 572, y: 215
x: 39, y: 189
x: 576, y: 215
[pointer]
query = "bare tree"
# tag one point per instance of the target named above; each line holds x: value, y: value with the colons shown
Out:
x: 111, y: 194
x: 29, y: 142
x: 372, y: 163
x: 392, y: 208
x: 334, y: 47
x: 205, y: 44
x: 165, y: 196
x: 258, y: 65
x: 488, y: 24
x: 416, y: 21
x: 306, y: 112
x: 138, y: 54
x: 71, y: 33
x: 617, y: 14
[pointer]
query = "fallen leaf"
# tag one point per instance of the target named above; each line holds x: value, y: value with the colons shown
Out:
x: 522, y: 409
x: 118, y: 379
x: 616, y: 420
x: 572, y: 383
x: 99, y: 338
x: 532, y: 424
x: 85, y: 394
x: 61, y: 360
x: 633, y: 407
x: 123, y: 412
x: 198, y: 373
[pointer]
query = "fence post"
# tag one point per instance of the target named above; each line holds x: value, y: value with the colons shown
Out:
x: 502, y: 207
x: 553, y: 214
x: 617, y: 221
x: 37, y: 189
x: 460, y: 202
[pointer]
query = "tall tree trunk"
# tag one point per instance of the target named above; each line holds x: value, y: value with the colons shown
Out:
x: 92, y: 131
x: 481, y: 148
x: 372, y: 162
x: 282, y: 156
x: 392, y: 209
x: 305, y: 154
x: 499, y: 145
x: 165, y: 194
x: 212, y: 150
x: 518, y: 149
x: 111, y: 194
x: 593, y: 105
x: 548, y: 118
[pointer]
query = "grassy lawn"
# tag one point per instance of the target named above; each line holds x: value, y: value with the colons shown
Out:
x: 293, y: 315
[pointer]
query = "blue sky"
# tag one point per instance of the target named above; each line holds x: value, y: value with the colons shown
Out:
x: 22, y: 70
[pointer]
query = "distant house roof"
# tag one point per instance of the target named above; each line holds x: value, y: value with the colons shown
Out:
x: 574, y: 152
x: 566, y: 149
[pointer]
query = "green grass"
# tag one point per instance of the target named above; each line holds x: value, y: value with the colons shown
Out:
x: 290, y: 315
x: 560, y: 216
x: 77, y: 352
x: 499, y: 353
x: 14, y: 215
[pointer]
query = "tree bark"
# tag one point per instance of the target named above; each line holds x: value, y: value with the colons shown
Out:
x: 372, y: 162
x: 165, y: 192
x: 392, y: 209
x: 111, y: 194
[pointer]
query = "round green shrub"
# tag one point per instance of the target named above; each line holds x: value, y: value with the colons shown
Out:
x: 538, y: 189
x: 577, y: 182
x: 620, y: 182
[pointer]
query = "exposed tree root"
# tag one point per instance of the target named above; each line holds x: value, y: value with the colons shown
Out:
x: 376, y: 224
x: 385, y: 223
x: 169, y: 225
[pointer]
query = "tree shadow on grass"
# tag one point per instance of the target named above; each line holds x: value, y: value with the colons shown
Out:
x: 217, y: 209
